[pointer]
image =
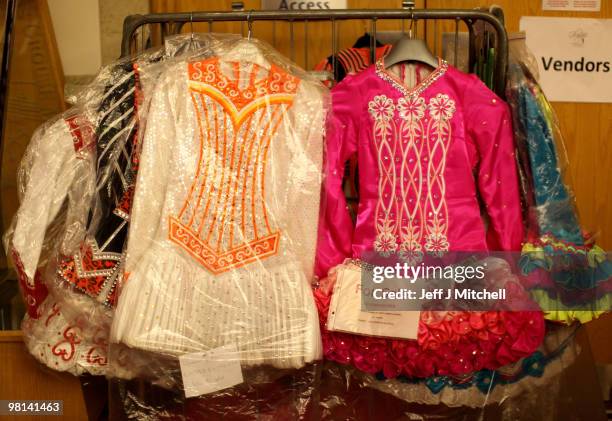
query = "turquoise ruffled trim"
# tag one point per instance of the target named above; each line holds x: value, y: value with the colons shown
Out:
x: 570, y: 270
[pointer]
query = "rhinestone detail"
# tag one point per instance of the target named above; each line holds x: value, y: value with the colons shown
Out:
x: 418, y: 89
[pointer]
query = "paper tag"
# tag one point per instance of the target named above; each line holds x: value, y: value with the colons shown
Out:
x: 572, y: 5
x: 207, y: 372
x: 345, y: 314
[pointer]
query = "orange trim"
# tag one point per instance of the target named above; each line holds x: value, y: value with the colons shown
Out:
x: 208, y: 165
x: 277, y: 81
x: 254, y: 176
x: 208, y: 147
x: 238, y: 181
x: 237, y: 106
x: 229, y: 178
x: 238, y: 175
x: 217, y: 193
x: 222, y: 262
x: 126, y: 277
x: 201, y: 152
x: 245, y: 181
x: 238, y: 116
x: 254, y: 71
x: 195, y: 181
x: 233, y: 184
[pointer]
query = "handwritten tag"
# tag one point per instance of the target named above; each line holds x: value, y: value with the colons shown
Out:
x: 207, y: 372
x: 346, y: 314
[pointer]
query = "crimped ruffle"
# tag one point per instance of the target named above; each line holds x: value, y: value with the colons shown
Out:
x: 555, y: 264
x: 557, y: 311
x: 570, y: 282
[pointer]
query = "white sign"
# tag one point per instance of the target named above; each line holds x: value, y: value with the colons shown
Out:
x: 302, y: 4
x: 574, y: 57
x: 572, y: 5
x: 207, y: 372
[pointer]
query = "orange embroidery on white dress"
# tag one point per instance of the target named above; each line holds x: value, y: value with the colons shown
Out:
x: 224, y: 222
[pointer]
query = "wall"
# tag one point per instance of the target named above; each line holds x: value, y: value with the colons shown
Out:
x: 112, y: 13
x: 34, y: 93
x: 77, y: 31
x: 25, y: 378
x: 94, y: 38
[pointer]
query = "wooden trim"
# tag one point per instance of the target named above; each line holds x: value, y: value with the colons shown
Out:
x: 11, y: 336
x: 55, y: 61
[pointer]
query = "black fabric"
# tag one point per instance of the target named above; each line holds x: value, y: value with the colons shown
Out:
x: 115, y: 140
x: 365, y: 41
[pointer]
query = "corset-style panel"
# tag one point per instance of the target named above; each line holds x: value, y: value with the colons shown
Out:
x: 224, y: 222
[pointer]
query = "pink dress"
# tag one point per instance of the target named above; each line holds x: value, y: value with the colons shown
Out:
x: 424, y: 154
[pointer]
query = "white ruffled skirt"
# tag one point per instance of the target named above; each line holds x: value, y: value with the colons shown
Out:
x: 171, y: 305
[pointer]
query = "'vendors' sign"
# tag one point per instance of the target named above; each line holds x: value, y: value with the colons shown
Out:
x: 574, y: 57
x: 302, y: 4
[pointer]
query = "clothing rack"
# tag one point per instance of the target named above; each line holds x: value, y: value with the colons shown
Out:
x: 174, y: 22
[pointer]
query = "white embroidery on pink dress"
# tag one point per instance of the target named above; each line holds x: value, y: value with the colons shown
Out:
x: 381, y: 109
x: 411, y: 186
x: 411, y: 111
x: 441, y: 109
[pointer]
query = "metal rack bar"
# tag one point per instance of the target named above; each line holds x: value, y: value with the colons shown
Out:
x: 7, y: 46
x: 133, y: 22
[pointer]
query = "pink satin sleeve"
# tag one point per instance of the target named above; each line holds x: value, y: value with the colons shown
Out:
x: 489, y: 127
x: 335, y: 232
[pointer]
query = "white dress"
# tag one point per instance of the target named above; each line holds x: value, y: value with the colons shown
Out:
x: 223, y: 226
x: 56, y: 179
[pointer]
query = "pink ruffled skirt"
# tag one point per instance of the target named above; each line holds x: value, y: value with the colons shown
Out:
x: 448, y: 343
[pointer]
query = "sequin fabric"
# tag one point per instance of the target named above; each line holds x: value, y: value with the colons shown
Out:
x: 222, y: 234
